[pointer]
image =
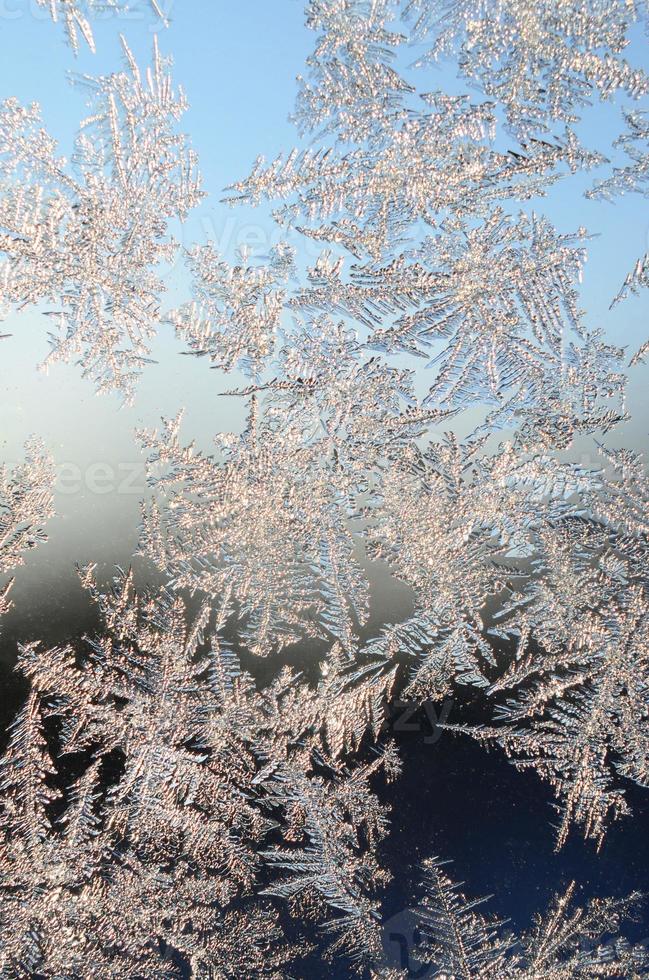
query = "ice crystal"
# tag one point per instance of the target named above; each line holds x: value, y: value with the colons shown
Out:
x: 286, y: 515
x: 282, y: 546
x: 541, y: 62
x: 275, y: 514
x: 498, y: 292
x: 237, y: 311
x: 579, y: 708
x: 433, y: 164
x: 501, y: 296
x: 184, y: 771
x: 387, y: 154
x: 90, y: 236
x: 460, y: 940
x: 634, y: 178
x: 26, y: 498
x: 167, y: 814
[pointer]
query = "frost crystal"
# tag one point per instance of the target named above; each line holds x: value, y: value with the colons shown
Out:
x: 25, y: 504
x: 634, y: 178
x: 580, y: 707
x: 459, y: 941
x: 184, y: 771
x: 165, y: 812
x: 90, y: 237
x: 237, y: 311
x: 275, y: 515
x: 409, y: 195
x: 542, y: 61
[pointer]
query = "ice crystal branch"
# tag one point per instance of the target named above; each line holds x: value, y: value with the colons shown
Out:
x: 26, y: 498
x: 237, y: 310
x: 634, y: 178
x: 90, y: 236
x: 460, y: 940
x: 25, y: 504
x: 275, y: 514
x: 541, y: 62
x: 436, y: 164
x: 579, y: 706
